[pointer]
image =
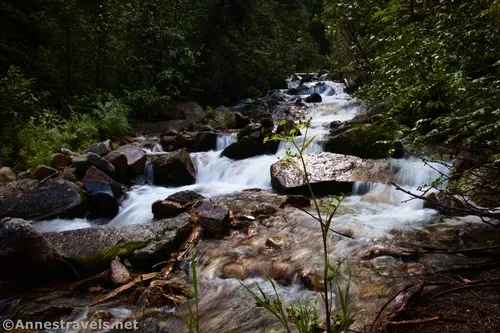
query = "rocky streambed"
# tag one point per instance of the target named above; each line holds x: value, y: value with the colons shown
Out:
x: 116, y: 216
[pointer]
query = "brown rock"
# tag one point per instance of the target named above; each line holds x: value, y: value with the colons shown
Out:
x: 136, y: 158
x: 163, y: 209
x: 185, y: 197
x: 119, y: 273
x: 119, y: 161
x: 60, y: 161
x: 214, y: 218
x: 7, y: 175
x: 275, y: 242
x: 174, y: 169
x: 94, y: 174
x: 42, y: 172
x: 264, y: 209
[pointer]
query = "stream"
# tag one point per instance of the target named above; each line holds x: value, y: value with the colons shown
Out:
x: 374, y: 214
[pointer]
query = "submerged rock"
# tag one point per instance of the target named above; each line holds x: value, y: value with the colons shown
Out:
x: 328, y: 173
x: 143, y: 245
x: 26, y: 256
x: 174, y: 169
x: 363, y: 140
x: 30, y: 199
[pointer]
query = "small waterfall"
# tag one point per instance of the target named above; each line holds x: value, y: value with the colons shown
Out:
x: 224, y: 140
x: 411, y: 174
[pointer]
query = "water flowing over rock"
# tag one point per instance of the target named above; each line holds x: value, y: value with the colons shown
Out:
x: 143, y: 245
x: 31, y: 199
x: 100, y: 148
x: 174, y: 169
x: 25, y: 255
x: 7, y: 175
x: 328, y: 173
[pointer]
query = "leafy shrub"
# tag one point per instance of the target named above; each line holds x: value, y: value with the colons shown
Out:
x: 149, y: 105
x: 80, y: 131
x: 111, y: 115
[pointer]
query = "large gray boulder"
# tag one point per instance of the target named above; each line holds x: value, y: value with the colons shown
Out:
x: 143, y: 245
x: 26, y: 256
x: 223, y: 118
x: 34, y: 200
x: 328, y: 173
x: 174, y: 169
x: 100, y: 148
x: 192, y: 111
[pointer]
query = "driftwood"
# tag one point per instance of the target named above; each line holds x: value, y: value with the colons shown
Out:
x: 164, y: 274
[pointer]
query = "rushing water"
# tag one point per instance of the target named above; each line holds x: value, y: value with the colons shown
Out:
x: 370, y: 214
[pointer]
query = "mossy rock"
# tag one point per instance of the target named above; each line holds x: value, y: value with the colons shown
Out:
x: 364, y: 140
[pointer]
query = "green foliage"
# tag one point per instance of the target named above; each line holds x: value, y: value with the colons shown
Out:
x: 111, y: 116
x: 149, y: 105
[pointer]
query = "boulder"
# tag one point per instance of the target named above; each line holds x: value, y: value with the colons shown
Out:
x: 328, y: 173
x: 42, y: 172
x: 178, y: 141
x: 264, y: 209
x: 192, y: 111
x: 363, y: 140
x: 174, y: 169
x: 185, y: 197
x: 91, y: 250
x: 286, y: 127
x: 241, y: 120
x: 205, y: 141
x: 313, y: 98
x: 249, y: 147
x: 7, y: 175
x: 29, y: 199
x: 222, y: 118
x: 101, y: 164
x: 136, y: 158
x: 215, y: 218
x: 119, y: 161
x: 95, y: 174
x: 60, y: 161
x: 164, y: 209
x: 80, y: 163
x: 26, y: 256
x: 101, y: 200
x: 100, y: 148
x: 23, y: 175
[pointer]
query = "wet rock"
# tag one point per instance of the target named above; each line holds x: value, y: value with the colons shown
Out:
x: 215, y: 218
x: 100, y: 148
x: 42, y: 172
x: 335, y: 124
x: 264, y: 209
x: 328, y: 173
x: 119, y: 161
x: 60, y: 161
x: 91, y: 250
x: 163, y: 209
x: 7, y: 175
x: 185, y: 197
x: 363, y: 140
x: 241, y: 120
x: 313, y: 98
x: 32, y: 200
x: 27, y: 257
x: 119, y: 273
x: 235, y: 271
x: 136, y: 158
x: 205, y: 141
x: 222, y: 118
x: 101, y: 200
x: 287, y: 127
x: 275, y: 242
x: 174, y: 169
x: 298, y: 201
x: 446, y: 204
x: 94, y: 174
x: 249, y: 147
